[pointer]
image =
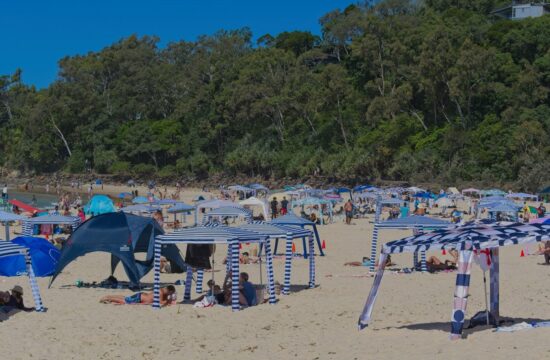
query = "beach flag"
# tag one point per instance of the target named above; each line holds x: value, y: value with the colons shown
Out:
x: 443, y: 252
x: 323, y: 246
x: 522, y: 254
x: 293, y: 248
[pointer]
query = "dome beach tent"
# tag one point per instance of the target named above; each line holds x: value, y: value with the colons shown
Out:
x: 29, y: 223
x: 472, y: 236
x: 44, y: 257
x: 415, y: 222
x: 99, y: 204
x: 210, y: 235
x: 9, y: 249
x: 6, y: 218
x: 254, y: 201
x: 293, y: 220
x: 122, y: 235
x: 289, y: 233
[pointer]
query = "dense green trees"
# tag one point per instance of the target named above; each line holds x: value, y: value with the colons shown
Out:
x: 434, y: 92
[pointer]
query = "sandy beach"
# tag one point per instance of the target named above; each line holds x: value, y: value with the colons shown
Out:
x: 411, y: 317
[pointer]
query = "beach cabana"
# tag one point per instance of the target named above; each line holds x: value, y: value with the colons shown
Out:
x: 211, y: 235
x: 6, y: 218
x: 165, y: 202
x: 181, y: 208
x: 140, y: 209
x: 288, y: 233
x: 313, y: 201
x: 212, y: 204
x: 99, y: 204
x: 470, y: 191
x: 503, y: 207
x: 259, y: 189
x: 140, y: 200
x: 29, y: 223
x: 254, y: 201
x: 415, y: 222
x: 466, y: 239
x: 9, y: 249
x: 293, y: 220
x: 123, y: 236
x: 492, y: 192
x: 228, y: 212
x: 522, y: 196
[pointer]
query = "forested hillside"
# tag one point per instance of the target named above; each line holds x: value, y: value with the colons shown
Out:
x: 436, y: 91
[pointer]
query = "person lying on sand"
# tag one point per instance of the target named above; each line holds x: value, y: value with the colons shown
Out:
x: 434, y: 264
x: 366, y: 262
x: 144, y: 298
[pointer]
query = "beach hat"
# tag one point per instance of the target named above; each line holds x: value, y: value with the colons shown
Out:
x: 17, y: 289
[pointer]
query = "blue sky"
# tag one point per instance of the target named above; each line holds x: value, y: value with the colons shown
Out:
x: 35, y: 34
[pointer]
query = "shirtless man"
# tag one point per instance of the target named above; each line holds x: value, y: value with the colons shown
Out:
x: 144, y: 298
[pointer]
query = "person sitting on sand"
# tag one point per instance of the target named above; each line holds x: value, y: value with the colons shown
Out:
x: 144, y: 298
x: 13, y: 301
x: 434, y: 264
x: 544, y: 249
x: 247, y: 292
x: 215, y: 290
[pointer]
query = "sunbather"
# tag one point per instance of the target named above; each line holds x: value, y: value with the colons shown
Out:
x: 144, y: 298
x: 434, y: 264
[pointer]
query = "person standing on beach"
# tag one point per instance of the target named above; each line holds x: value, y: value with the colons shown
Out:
x: 5, y: 192
x: 274, y: 205
x: 284, y: 206
x: 348, y: 208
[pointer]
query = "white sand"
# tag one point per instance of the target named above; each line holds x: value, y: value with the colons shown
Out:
x: 410, y: 320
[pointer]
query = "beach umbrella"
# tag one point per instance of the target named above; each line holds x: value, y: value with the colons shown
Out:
x: 43, y: 254
x: 124, y: 195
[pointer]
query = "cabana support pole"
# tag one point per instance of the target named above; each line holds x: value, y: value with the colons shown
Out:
x: 34, y: 286
x: 200, y: 276
x: 374, y: 245
x: 270, y: 276
x: 156, y: 286
x: 369, y: 305
x: 311, y: 262
x: 234, y: 244
x: 464, y: 267
x: 188, y: 281
x: 288, y: 265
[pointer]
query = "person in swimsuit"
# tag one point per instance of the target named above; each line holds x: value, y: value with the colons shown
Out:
x: 144, y: 298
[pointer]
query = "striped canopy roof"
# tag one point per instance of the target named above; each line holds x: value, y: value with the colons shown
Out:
x: 414, y: 221
x: 181, y: 207
x: 276, y: 231
x: 165, y: 202
x: 53, y: 219
x: 230, y: 212
x: 141, y: 208
x: 7, y: 216
x: 291, y: 219
x: 476, y: 235
x: 210, y: 235
x: 7, y: 248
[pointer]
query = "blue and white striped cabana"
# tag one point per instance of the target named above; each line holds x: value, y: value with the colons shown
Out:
x: 467, y: 239
x: 289, y: 233
x: 217, y: 234
x: 29, y: 223
x: 415, y: 222
x: 8, y: 249
x: 6, y: 218
x: 227, y: 212
x: 293, y: 220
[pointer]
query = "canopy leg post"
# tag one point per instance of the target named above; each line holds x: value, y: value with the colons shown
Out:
x: 34, y: 286
x: 374, y: 246
x: 494, y: 286
x: 276, y: 246
x: 461, y: 293
x: 235, y: 305
x: 270, y: 275
x: 200, y: 276
x: 188, y: 280
x: 365, y: 317
x: 156, y: 285
x: 304, y: 247
x: 311, y: 262
x: 288, y: 265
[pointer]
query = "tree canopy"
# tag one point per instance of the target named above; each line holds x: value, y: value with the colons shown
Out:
x: 438, y: 91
